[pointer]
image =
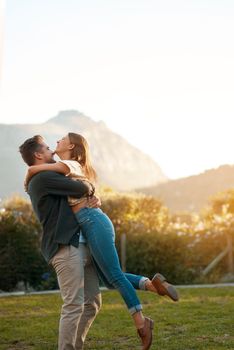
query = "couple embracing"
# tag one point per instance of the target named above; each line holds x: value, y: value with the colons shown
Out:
x: 78, y: 239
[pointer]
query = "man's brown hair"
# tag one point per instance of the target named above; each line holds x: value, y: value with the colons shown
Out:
x: 29, y: 147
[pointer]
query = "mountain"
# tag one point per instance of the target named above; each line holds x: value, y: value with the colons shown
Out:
x: 192, y: 193
x: 118, y: 164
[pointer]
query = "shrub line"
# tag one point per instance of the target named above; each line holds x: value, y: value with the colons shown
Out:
x: 57, y: 291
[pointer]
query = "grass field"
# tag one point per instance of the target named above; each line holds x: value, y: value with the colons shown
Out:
x: 203, y: 319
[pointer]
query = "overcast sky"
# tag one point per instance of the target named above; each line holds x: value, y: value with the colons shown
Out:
x: 160, y: 73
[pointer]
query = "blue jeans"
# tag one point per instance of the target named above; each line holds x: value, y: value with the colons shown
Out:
x: 100, y: 235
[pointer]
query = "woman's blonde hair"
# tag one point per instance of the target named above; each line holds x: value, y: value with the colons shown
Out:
x: 81, y: 154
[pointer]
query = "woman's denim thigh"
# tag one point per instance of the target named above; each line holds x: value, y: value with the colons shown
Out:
x: 99, y: 232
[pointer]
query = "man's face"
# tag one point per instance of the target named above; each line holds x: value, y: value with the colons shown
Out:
x: 46, y: 154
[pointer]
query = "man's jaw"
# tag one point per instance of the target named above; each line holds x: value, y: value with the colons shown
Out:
x: 52, y: 160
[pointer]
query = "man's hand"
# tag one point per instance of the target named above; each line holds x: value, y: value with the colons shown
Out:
x: 94, y: 202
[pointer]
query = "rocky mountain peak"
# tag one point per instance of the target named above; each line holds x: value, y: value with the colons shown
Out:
x: 119, y: 164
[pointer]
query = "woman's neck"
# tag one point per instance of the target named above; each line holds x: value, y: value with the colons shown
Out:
x: 65, y: 155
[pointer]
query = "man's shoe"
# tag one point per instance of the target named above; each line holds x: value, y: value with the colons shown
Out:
x: 145, y: 333
x: 164, y: 288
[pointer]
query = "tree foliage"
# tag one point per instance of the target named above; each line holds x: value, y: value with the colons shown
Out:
x: 20, y: 257
x: 179, y: 246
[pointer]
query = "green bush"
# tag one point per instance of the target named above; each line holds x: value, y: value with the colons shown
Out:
x: 156, y: 252
x: 20, y: 258
x: 179, y: 246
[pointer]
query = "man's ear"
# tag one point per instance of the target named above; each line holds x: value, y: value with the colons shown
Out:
x: 38, y: 155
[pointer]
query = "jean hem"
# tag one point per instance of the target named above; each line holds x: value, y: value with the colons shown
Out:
x: 135, y: 309
x: 142, y: 283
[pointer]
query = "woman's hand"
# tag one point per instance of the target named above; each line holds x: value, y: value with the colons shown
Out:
x: 28, y: 176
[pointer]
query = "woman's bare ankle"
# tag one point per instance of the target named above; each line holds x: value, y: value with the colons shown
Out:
x: 139, y: 319
x: 149, y: 286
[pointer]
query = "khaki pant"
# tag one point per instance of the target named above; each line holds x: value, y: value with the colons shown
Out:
x: 80, y: 292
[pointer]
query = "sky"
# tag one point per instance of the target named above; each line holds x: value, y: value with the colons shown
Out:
x: 159, y: 73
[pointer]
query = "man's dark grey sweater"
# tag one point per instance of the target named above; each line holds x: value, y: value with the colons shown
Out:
x: 48, y: 192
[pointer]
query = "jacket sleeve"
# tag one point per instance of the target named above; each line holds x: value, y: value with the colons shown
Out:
x: 60, y: 185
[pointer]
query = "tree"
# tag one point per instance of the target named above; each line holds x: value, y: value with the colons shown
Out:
x: 20, y: 258
x: 132, y: 213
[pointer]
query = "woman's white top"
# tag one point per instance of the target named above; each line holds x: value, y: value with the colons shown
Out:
x: 75, y: 169
x: 75, y: 173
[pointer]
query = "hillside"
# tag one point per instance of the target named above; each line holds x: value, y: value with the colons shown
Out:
x: 118, y: 164
x: 192, y: 193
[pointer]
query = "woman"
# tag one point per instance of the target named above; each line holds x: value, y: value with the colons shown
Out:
x: 98, y: 230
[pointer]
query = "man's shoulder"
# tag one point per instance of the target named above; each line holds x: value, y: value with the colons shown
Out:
x: 45, y: 174
x: 44, y: 177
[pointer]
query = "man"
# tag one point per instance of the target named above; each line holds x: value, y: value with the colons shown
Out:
x: 60, y: 245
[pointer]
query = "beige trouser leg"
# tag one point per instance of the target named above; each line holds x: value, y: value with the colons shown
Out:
x: 92, y: 300
x: 69, y: 264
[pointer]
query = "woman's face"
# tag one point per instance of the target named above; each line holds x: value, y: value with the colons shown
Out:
x: 63, y: 145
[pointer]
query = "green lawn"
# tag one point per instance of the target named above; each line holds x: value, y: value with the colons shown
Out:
x: 203, y: 319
